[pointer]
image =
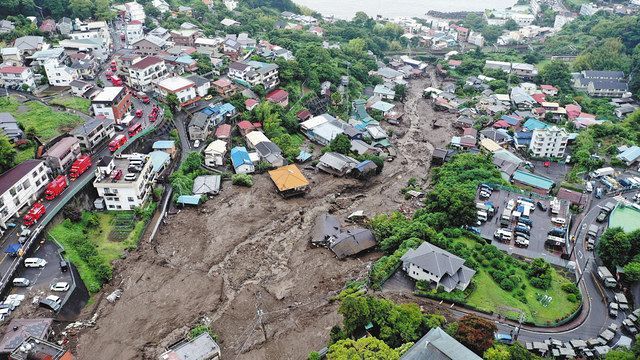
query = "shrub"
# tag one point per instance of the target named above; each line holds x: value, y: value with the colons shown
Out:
x: 506, y: 284
x: 570, y: 288
x: 485, y: 263
x: 242, y: 180
x: 572, y: 298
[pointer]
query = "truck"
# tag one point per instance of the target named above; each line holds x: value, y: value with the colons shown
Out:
x: 555, y: 206
x: 605, y: 210
x: 117, y: 142
x: 128, y: 119
x: 593, y: 230
x: 79, y: 166
x: 134, y: 129
x: 34, y: 214
x: 56, y: 187
x: 607, y: 278
x: 605, y: 171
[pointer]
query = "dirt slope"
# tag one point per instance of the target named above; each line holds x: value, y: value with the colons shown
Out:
x: 245, y: 253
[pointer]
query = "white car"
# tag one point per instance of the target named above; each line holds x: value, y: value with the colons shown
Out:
x: 522, y: 242
x: 558, y: 220
x: 60, y: 286
x: 35, y: 262
x: 196, y: 144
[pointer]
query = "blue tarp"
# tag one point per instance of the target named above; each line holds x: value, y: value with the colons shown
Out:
x: 189, y: 199
x: 303, y: 156
x: 13, y: 248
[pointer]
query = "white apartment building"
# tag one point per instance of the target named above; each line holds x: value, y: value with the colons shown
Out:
x: 549, y: 142
x: 133, y: 32
x: 124, y: 182
x: 254, y: 73
x: 183, y: 88
x: 135, y: 11
x: 21, y: 186
x: 93, y: 30
x: 147, y: 71
x: 60, y: 74
x: 11, y: 76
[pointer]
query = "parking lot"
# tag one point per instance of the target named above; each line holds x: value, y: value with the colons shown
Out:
x: 41, y: 279
x: 541, y: 225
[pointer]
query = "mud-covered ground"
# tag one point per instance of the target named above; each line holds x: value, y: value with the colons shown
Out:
x: 243, y: 261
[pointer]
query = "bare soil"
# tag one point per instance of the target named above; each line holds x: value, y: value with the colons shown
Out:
x: 243, y: 263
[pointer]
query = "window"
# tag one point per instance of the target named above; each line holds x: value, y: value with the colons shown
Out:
x: 111, y: 206
x: 38, y: 182
x: 130, y: 199
x: 26, y: 184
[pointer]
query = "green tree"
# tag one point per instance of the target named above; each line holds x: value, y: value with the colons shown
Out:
x: 340, y: 144
x: 497, y: 352
x: 632, y: 271
x: 7, y: 154
x: 511, y: 25
x: 363, y: 348
x: 82, y: 9
x: 620, y: 354
x: 103, y: 10
x: 556, y: 73
x: 491, y: 33
x: 172, y: 101
x: 242, y: 180
x: 401, y: 92
x: 614, y: 247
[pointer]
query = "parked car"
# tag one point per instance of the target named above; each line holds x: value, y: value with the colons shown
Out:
x: 35, y: 262
x: 64, y: 266
x: 559, y: 220
x: 541, y: 206
x: 613, y: 309
x: 24, y: 235
x: 484, y: 194
x: 196, y: 144
x: 521, y: 229
x: 520, y: 241
x: 599, y: 192
x: 51, y: 302
x: 591, y: 244
x: 21, y: 282
x: 525, y: 221
x: 60, y: 286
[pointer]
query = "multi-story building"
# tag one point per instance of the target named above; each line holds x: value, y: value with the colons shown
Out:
x: 90, y: 45
x: 62, y: 154
x: 133, y: 32
x: 549, y: 142
x: 20, y: 186
x: 134, y: 12
x: 112, y: 103
x: 254, y: 73
x: 185, y: 37
x: 16, y: 76
x: 184, y: 89
x: 601, y: 83
x: 524, y: 70
x: 145, y: 72
x: 98, y: 30
x: 208, y: 46
x: 124, y: 182
x: 59, y: 74
x: 93, y: 132
x: 202, y: 84
x: 150, y: 45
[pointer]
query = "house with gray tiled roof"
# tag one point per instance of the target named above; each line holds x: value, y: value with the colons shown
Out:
x: 438, y: 345
x: 430, y: 263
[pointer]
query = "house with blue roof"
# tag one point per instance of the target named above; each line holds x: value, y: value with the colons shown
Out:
x: 219, y: 113
x: 241, y: 161
x: 522, y: 139
x: 168, y: 146
x: 535, y: 124
x: 630, y: 155
x: 511, y: 120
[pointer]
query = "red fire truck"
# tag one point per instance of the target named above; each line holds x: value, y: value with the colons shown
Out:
x: 34, y: 214
x: 56, y: 187
x: 80, y: 166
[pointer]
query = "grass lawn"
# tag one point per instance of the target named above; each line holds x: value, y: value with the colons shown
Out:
x: 489, y: 296
x: 47, y: 122
x: 25, y: 154
x: 75, y: 237
x: 72, y: 102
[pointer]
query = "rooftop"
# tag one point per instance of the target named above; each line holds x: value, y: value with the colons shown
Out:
x: 60, y: 148
x: 146, y: 62
x: 533, y: 180
x: 438, y: 345
x: 109, y: 93
x: 34, y: 348
x: 13, y: 175
x: 202, y: 347
x: 19, y: 330
x: 288, y: 177
x: 175, y: 83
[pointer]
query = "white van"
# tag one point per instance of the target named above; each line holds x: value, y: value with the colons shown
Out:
x: 482, y: 216
x: 21, y: 282
x: 588, y: 186
x: 35, y: 262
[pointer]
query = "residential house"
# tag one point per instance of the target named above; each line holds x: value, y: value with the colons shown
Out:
x: 630, y: 155
x: 30, y: 44
x: 6, y: 26
x: 223, y: 132
x: 184, y: 89
x: 601, y: 83
x: 202, y: 84
x: 112, y: 103
x: 149, y: 45
x: 549, y: 90
x: 34, y: 347
x: 17, y: 76
x: 384, y: 92
x: 255, y: 137
x: 64, y: 152
x: 269, y: 152
x: 133, y: 32
x: 185, y: 37
x: 438, y: 345
x: 251, y: 104
x: 279, y: 97
x: 526, y: 71
x: 549, y: 143
x: 168, y: 146
x: 23, y: 330
x: 125, y: 181
x: 432, y: 264
x: 498, y: 65
x: 144, y: 73
x: 202, y: 347
x: 245, y: 127
x: 207, y: 46
x: 20, y: 186
x: 241, y: 161
x: 94, y: 30
x: 94, y: 132
x: 84, y: 64
x: 289, y: 181
x: 245, y: 41
x: 229, y: 22
x: 65, y: 25
x: 11, y: 56
x: 539, y: 184
x: 225, y: 88
x: 252, y: 73
x: 206, y: 185
x: 521, y: 100
x: 198, y: 127
x: 9, y: 127
x: 215, y: 152
x: 476, y: 38
x: 91, y: 45
x: 134, y: 12
x: 59, y: 74
x: 322, y: 128
x: 336, y: 164
x: 499, y: 136
x: 317, y: 30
